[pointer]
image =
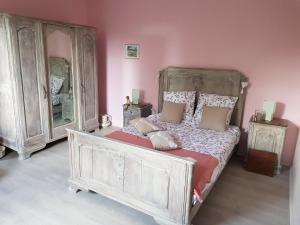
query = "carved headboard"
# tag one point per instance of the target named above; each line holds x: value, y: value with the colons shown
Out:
x: 212, y: 81
x: 61, y: 67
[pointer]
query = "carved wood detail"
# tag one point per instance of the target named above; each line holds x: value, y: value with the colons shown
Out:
x: 24, y: 89
x: 156, y: 183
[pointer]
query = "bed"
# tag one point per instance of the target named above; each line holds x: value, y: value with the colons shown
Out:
x: 157, y: 183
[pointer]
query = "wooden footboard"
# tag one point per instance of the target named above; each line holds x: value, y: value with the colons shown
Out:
x: 156, y: 183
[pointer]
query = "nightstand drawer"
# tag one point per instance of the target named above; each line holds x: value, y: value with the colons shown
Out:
x: 266, y: 138
x: 132, y: 113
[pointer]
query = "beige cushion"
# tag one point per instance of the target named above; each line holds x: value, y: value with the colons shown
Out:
x: 162, y: 140
x: 144, y: 126
x: 187, y: 97
x: 213, y: 100
x: 214, y: 118
x: 172, y: 112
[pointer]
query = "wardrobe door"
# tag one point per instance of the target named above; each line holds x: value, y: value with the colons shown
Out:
x: 88, y: 84
x: 27, y: 51
x: 60, y: 43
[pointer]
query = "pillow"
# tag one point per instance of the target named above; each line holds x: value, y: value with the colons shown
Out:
x: 172, y: 112
x: 144, y: 126
x: 214, y: 100
x: 214, y: 118
x: 56, y: 84
x: 162, y: 140
x: 187, y: 97
x: 56, y: 99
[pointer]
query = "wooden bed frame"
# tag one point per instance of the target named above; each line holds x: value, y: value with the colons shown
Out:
x: 156, y: 183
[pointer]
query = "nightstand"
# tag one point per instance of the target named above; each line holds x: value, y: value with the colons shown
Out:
x: 135, y: 111
x: 268, y: 136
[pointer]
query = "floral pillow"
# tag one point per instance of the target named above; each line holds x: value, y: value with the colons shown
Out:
x: 215, y: 101
x: 187, y: 97
x: 56, y: 84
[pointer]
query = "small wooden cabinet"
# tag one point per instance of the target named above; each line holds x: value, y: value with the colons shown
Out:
x: 268, y: 136
x: 135, y: 111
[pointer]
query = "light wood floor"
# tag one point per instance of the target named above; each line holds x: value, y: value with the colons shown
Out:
x: 35, y: 192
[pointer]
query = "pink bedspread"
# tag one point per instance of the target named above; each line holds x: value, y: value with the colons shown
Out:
x: 204, y: 167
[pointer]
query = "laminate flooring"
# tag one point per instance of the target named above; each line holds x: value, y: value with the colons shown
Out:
x: 35, y: 192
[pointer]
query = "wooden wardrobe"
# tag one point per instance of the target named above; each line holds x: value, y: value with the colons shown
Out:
x: 48, y: 82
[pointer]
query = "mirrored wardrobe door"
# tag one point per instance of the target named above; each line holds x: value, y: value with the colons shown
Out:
x: 59, y: 42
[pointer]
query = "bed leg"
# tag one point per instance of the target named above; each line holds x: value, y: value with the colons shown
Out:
x: 24, y: 155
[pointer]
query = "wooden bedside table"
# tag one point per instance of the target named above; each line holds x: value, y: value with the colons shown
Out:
x: 268, y: 136
x: 135, y: 111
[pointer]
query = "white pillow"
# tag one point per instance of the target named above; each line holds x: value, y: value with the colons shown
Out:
x: 144, y: 126
x: 187, y: 97
x: 56, y: 84
x: 162, y: 140
x: 214, y: 100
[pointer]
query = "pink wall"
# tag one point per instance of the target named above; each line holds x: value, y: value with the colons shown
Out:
x: 259, y: 38
x: 72, y: 11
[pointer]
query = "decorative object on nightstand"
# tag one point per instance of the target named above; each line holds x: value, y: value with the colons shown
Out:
x: 127, y: 100
x: 2, y: 151
x: 261, y: 162
x: 268, y: 136
x: 135, y: 111
x: 105, y: 120
x: 269, y: 109
x: 135, y: 96
x: 259, y: 115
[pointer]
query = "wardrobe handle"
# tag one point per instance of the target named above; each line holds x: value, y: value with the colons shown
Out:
x: 82, y: 86
x: 45, y: 91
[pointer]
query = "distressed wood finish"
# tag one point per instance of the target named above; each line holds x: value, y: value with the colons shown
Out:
x: 2, y: 151
x: 267, y: 137
x: 25, y: 118
x: 88, y: 84
x: 213, y: 81
x: 8, y: 126
x: 28, y: 70
x: 156, y: 183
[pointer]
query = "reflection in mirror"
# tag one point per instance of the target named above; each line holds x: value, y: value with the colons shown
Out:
x: 59, y: 51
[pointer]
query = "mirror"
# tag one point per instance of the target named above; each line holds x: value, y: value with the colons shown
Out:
x: 59, y: 56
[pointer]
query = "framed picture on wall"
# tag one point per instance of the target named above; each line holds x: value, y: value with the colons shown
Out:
x: 132, y: 51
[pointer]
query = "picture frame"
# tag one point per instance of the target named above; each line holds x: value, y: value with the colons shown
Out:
x: 132, y: 51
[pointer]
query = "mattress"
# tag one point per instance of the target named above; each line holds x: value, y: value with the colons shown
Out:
x: 213, y: 143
